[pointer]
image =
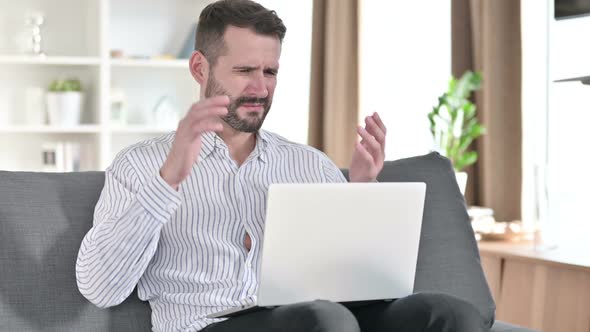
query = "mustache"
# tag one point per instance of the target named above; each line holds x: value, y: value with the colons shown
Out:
x: 251, y: 100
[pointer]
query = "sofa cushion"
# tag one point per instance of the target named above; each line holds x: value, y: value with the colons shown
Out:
x: 505, y: 327
x: 448, y: 257
x: 43, y: 218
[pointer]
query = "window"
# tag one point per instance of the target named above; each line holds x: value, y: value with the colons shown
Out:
x: 405, y: 65
x: 290, y: 109
x: 555, y: 118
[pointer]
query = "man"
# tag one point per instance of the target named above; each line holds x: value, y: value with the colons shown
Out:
x: 182, y: 216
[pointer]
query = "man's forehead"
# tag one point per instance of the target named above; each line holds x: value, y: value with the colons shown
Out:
x: 251, y: 62
x: 246, y: 40
x: 251, y: 56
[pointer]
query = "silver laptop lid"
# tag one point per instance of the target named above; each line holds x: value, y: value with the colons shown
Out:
x: 340, y: 242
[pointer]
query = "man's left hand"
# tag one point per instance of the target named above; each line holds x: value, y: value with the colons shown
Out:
x: 369, y: 153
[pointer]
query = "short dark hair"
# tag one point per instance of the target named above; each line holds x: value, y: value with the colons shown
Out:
x: 216, y: 17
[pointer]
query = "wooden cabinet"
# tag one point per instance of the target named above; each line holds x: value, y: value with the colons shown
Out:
x: 547, y: 290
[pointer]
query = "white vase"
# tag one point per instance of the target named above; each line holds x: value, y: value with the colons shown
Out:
x: 64, y: 108
x: 461, y: 181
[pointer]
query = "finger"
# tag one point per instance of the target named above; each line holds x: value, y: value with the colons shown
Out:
x: 371, y: 145
x: 213, y: 102
x: 375, y: 130
x: 370, y: 142
x: 364, y: 154
x: 379, y: 122
x: 207, y: 125
x: 210, y: 112
x: 222, y: 100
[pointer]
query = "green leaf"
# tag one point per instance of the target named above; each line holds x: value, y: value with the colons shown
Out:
x: 465, y: 141
x: 65, y: 85
x: 465, y: 160
x: 469, y: 110
x: 54, y: 86
x: 452, y: 85
x: 453, y: 121
x: 475, y: 131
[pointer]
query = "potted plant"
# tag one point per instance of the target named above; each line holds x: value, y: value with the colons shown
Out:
x: 64, y: 102
x: 454, y: 126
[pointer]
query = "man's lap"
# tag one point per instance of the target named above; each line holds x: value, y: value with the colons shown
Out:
x: 306, y: 316
x: 417, y: 312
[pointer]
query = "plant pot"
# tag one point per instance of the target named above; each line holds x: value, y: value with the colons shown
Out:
x: 64, y: 108
x: 461, y: 181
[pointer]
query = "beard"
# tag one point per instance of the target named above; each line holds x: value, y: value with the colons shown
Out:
x: 253, y: 120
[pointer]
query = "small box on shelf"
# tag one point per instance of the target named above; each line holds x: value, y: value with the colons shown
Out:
x: 60, y: 156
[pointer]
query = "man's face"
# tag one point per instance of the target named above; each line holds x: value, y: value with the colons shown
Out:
x: 247, y: 73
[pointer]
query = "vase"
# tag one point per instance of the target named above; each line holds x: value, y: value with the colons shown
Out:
x: 64, y: 108
x: 461, y: 181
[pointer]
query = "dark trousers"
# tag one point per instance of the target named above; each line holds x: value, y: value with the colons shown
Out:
x: 416, y: 313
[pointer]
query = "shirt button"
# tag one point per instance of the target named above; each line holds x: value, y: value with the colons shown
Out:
x: 249, y: 265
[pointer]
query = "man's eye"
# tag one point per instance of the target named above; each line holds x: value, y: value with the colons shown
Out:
x: 271, y: 72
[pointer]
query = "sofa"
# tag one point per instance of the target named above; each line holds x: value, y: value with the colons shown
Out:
x: 44, y: 216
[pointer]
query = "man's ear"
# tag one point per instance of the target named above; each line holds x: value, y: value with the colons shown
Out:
x: 199, y: 67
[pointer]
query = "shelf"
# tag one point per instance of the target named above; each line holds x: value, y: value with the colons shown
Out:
x: 84, y: 52
x: 140, y: 129
x: 46, y: 129
x: 582, y: 79
x: 49, y: 60
x: 176, y: 63
x: 84, y: 129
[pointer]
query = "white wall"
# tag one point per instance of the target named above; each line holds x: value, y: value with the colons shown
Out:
x: 405, y: 66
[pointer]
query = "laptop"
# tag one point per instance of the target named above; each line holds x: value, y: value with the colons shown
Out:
x: 342, y: 242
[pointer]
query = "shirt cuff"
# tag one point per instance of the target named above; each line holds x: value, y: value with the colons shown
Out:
x: 159, y: 199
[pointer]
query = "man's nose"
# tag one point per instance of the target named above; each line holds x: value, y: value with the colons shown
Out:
x: 258, y: 86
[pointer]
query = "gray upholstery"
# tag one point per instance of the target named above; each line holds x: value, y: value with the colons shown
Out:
x: 503, y: 327
x: 43, y: 217
x: 448, y: 258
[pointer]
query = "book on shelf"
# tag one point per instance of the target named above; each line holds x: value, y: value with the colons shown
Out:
x: 60, y: 156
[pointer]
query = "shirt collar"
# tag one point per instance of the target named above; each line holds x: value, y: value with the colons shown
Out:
x: 262, y: 143
x: 210, y: 141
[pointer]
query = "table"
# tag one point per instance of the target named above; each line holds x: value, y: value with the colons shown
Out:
x: 544, y: 289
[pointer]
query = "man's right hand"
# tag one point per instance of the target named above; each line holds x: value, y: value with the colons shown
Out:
x: 203, y: 116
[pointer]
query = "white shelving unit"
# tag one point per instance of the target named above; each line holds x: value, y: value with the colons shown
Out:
x: 53, y: 60
x: 78, y: 36
x: 178, y: 63
x: 46, y: 129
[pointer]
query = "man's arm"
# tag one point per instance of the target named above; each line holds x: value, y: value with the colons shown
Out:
x: 332, y: 173
x: 128, y: 218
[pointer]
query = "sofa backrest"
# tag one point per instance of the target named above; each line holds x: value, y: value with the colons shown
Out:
x: 44, y: 216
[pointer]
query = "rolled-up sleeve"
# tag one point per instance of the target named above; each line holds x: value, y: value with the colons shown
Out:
x: 128, y: 219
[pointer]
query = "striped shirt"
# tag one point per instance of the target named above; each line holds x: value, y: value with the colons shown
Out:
x: 185, y: 249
